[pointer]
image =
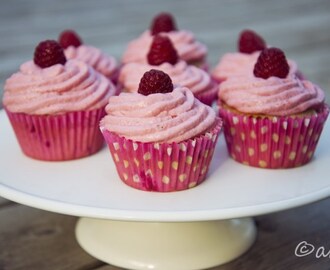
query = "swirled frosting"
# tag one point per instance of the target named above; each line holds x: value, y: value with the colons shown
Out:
x: 57, y: 89
x: 170, y: 117
x: 197, y: 80
x: 241, y: 64
x: 188, y: 48
x: 105, y: 64
x: 272, y: 96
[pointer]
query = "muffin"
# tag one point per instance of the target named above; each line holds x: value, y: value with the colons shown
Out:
x: 184, y: 41
x: 160, y: 138
x: 250, y: 44
x: 272, y: 119
x: 55, y: 105
x: 75, y: 49
x: 163, y: 56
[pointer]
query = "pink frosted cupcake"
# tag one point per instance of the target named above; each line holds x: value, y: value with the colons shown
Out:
x: 163, y: 56
x: 272, y: 119
x: 161, y: 139
x: 188, y: 48
x: 250, y: 44
x: 55, y: 105
x: 75, y: 49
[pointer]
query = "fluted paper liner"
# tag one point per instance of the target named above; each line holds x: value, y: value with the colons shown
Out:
x: 163, y: 167
x: 58, y: 137
x: 272, y: 142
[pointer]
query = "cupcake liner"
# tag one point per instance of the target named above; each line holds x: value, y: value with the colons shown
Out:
x: 163, y: 167
x: 272, y: 142
x: 209, y: 96
x: 58, y: 137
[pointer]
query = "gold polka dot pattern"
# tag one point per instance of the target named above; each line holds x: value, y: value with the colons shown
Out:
x: 162, y: 167
x: 272, y: 142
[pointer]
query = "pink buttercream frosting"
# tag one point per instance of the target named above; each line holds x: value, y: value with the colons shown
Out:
x: 57, y: 89
x: 272, y: 96
x: 241, y: 64
x: 188, y: 48
x: 105, y: 64
x: 196, y: 79
x: 170, y: 117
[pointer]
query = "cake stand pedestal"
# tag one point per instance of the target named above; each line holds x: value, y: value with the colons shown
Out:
x: 194, y: 229
x: 166, y: 245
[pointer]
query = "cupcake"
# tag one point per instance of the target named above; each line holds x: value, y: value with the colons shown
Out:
x: 161, y: 138
x: 250, y: 44
x: 75, y: 49
x: 55, y: 105
x: 163, y: 56
x: 272, y: 119
x: 188, y: 48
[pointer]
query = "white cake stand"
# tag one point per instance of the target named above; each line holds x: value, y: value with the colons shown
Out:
x: 194, y: 229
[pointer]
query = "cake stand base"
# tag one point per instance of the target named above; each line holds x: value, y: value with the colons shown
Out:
x: 164, y: 246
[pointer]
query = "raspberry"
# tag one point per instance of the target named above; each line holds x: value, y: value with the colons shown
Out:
x: 49, y: 53
x: 163, y: 22
x: 271, y: 62
x: 162, y: 51
x: 249, y: 42
x: 69, y: 38
x: 155, y: 81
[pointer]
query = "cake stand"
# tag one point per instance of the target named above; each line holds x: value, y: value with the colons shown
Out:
x: 194, y: 229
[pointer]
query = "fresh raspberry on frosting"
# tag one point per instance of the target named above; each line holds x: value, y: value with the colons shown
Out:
x: 163, y: 22
x: 49, y: 53
x: 69, y: 38
x: 249, y: 42
x: 155, y: 81
x: 271, y: 62
x: 162, y: 51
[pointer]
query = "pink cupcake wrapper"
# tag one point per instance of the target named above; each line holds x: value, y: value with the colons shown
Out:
x: 58, y: 137
x: 163, y: 167
x: 209, y: 96
x: 272, y: 142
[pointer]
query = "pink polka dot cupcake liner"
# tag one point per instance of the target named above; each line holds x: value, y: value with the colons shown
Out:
x: 58, y: 137
x: 163, y: 167
x: 273, y: 142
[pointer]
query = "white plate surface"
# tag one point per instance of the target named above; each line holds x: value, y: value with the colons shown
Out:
x: 90, y: 187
